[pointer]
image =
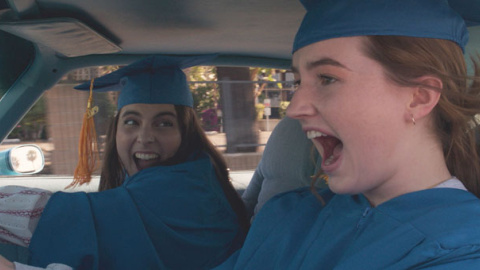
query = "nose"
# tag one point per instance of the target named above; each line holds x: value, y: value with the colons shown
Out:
x: 145, y: 135
x: 301, y: 105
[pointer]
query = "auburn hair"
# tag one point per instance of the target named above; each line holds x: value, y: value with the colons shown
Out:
x: 454, y: 117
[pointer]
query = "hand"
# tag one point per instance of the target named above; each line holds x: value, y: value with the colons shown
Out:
x: 6, y: 264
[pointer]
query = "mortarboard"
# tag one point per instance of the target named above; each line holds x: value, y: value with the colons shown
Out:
x: 152, y: 80
x: 440, y: 19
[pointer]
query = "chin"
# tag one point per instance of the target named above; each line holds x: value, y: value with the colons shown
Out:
x: 335, y: 184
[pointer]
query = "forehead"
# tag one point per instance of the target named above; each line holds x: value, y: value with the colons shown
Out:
x: 148, y: 109
x: 345, y: 49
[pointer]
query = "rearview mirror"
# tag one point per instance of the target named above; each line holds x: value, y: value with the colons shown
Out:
x: 23, y: 159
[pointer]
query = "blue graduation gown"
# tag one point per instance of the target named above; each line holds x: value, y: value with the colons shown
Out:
x: 435, y: 228
x: 167, y: 217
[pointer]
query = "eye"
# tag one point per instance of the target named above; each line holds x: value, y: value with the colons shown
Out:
x: 296, y: 84
x: 327, y: 80
x: 164, y: 123
x: 130, y: 122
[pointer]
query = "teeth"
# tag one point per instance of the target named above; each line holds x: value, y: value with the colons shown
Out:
x: 312, y: 134
x: 329, y: 160
x: 146, y: 156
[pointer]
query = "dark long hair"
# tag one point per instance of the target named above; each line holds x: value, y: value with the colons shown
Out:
x: 193, y: 141
x: 407, y: 58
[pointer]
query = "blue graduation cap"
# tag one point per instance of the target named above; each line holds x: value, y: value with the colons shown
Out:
x: 441, y: 19
x: 152, y: 80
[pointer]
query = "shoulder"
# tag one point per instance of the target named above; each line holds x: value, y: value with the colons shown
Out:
x: 447, y: 217
x: 299, y: 202
x: 198, y: 167
x: 302, y: 195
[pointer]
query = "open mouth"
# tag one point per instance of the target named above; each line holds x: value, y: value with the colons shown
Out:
x: 146, y: 160
x: 332, y: 147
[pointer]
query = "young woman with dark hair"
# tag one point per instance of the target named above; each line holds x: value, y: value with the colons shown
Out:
x: 165, y: 199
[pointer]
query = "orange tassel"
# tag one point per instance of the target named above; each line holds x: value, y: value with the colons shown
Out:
x: 87, y: 146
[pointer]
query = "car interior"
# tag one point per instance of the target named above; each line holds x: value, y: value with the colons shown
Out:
x: 41, y: 41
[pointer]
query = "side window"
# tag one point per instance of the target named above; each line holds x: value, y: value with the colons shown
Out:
x: 54, y: 122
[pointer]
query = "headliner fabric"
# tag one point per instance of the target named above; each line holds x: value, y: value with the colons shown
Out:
x: 326, y: 19
x: 68, y: 37
x: 166, y: 217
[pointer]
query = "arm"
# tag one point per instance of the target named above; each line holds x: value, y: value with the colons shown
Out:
x: 6, y: 264
x: 20, y: 210
x: 53, y: 266
x: 468, y: 264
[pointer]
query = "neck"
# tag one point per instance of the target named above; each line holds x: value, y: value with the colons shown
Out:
x: 422, y: 166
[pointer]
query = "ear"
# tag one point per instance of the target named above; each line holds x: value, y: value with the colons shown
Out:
x: 424, y: 97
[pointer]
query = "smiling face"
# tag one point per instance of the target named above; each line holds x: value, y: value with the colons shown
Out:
x: 147, y: 135
x: 354, y: 115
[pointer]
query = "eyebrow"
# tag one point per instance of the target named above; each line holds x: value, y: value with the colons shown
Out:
x: 326, y: 61
x: 160, y: 114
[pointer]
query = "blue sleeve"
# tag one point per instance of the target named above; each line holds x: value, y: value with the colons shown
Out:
x: 468, y: 264
x: 172, y: 217
x: 465, y: 257
x: 14, y: 253
x: 66, y: 228
x: 229, y: 263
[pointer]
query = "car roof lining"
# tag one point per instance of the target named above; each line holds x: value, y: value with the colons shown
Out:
x: 181, y: 27
x: 66, y: 36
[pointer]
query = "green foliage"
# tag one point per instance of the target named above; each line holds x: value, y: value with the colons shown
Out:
x: 33, y: 126
x: 260, y: 109
x: 266, y: 74
x: 205, y: 95
x: 283, y: 108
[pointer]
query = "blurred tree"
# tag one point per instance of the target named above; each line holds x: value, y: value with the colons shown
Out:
x: 263, y: 74
x: 238, y: 109
x: 33, y: 125
x: 205, y: 95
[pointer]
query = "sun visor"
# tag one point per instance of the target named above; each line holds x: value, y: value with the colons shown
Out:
x: 66, y: 36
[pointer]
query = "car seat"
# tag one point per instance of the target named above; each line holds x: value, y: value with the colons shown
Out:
x: 288, y: 162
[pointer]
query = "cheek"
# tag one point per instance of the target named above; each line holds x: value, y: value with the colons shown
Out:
x: 371, y: 108
x: 369, y: 125
x: 122, y: 145
x: 171, y: 143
